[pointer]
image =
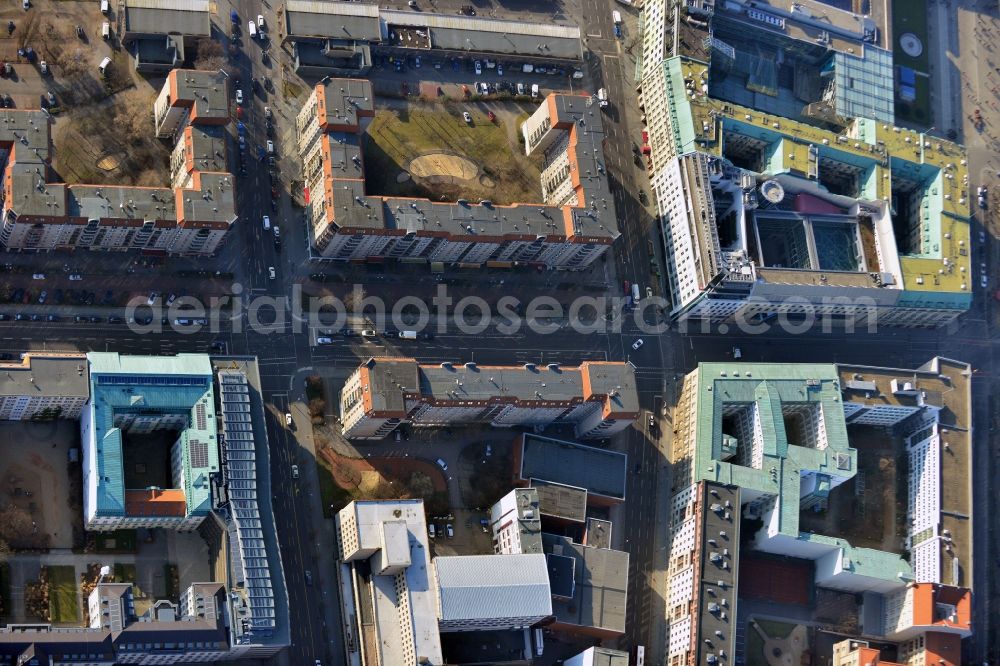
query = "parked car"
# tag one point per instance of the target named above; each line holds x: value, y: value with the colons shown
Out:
x: 450, y: 531
x: 442, y: 464
x: 295, y: 471
x: 467, y: 117
x: 637, y: 344
x: 478, y: 67
x: 239, y: 96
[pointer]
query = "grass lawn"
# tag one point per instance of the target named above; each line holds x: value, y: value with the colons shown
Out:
x: 124, y: 573
x: 394, y: 138
x: 63, y: 607
x: 334, y: 497
x: 119, y: 541
x: 776, y: 629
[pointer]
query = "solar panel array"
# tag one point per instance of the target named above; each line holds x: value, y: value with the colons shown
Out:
x: 241, y: 483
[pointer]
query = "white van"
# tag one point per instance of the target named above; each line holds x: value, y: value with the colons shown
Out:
x: 602, y: 96
x: 267, y: 223
x: 635, y: 293
x: 616, y: 16
x: 252, y: 27
x: 539, y: 643
x: 103, y: 67
x: 105, y: 7
x: 106, y: 31
x: 408, y: 335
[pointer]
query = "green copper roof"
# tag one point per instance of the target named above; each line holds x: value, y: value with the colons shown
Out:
x: 761, y: 392
x: 153, y: 384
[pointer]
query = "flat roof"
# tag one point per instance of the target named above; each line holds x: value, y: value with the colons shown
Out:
x: 601, y: 585
x: 161, y: 17
x: 153, y: 384
x: 941, y: 264
x: 597, y: 471
x: 369, y: 22
x: 482, y: 587
x: 718, y: 578
x: 389, y: 381
x: 422, y: 601
x: 520, y: 504
x: 47, y: 374
x: 206, y: 92
x: 559, y: 501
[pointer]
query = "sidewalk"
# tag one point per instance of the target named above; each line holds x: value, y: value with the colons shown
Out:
x: 323, y: 529
x: 656, y: 651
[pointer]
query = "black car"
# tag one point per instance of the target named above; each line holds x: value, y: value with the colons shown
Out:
x: 79, y: 319
x: 4, y: 317
x: 17, y: 295
x: 6, y: 356
x: 20, y: 317
x: 426, y: 336
x: 36, y: 317
x: 96, y: 320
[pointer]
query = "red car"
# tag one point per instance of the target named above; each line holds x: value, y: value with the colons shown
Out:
x: 628, y: 287
x: 239, y: 112
x: 492, y: 116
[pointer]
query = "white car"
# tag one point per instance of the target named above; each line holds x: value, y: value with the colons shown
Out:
x: 983, y: 281
x: 75, y: 277
x: 270, y: 272
x: 260, y: 21
x: 324, y: 341
x: 267, y: 223
x: 153, y: 295
x: 239, y: 96
x: 466, y: 117
x: 288, y: 419
x: 499, y: 69
x: 369, y: 333
x: 638, y: 343
x: 442, y: 464
x: 38, y: 276
x: 295, y: 471
x: 270, y: 147
x: 479, y: 68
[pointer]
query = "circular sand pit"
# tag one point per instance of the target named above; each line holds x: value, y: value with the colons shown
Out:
x: 443, y: 167
x: 108, y: 162
x: 911, y: 44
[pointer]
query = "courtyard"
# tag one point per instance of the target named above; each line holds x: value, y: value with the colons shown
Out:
x: 428, y: 150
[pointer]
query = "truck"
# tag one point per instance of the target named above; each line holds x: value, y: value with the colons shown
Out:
x: 408, y: 335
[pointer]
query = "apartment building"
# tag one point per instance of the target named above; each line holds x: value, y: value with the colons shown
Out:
x: 770, y: 443
x: 154, y: 387
x: 573, y: 225
x: 597, y: 398
x: 166, y: 402
x: 796, y: 196
x: 189, y: 217
x: 44, y: 386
